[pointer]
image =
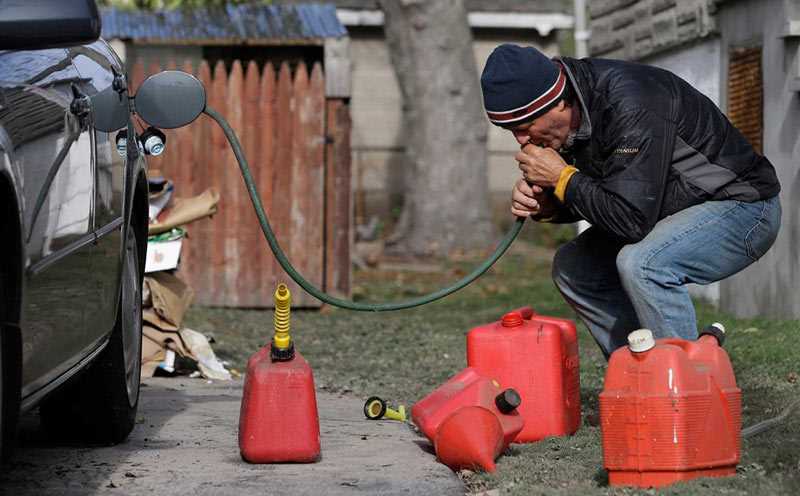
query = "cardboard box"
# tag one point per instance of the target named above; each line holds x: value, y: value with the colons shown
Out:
x: 162, y: 255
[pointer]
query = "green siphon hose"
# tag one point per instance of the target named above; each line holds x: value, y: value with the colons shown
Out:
x: 414, y: 302
x: 400, y: 305
x: 321, y: 295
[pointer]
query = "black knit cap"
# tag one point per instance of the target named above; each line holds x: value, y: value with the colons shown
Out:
x: 520, y: 84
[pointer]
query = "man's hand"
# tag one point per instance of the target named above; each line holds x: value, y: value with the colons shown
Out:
x: 541, y: 166
x: 529, y: 199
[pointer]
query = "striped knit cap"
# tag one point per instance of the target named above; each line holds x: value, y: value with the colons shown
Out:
x: 520, y: 84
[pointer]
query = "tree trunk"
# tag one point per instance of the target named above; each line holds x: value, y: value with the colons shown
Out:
x: 446, y: 192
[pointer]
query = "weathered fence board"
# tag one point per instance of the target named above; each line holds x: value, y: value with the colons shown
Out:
x: 198, y: 246
x: 282, y: 167
x: 234, y: 193
x: 338, y: 207
x: 267, y: 107
x: 297, y: 145
x: 313, y: 229
x: 250, y: 241
x: 219, y: 171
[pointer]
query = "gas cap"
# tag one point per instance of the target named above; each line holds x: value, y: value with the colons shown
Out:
x: 641, y: 340
x: 511, y: 319
x: 508, y: 400
x: 717, y: 330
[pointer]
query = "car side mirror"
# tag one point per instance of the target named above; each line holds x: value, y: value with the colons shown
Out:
x: 170, y: 99
x: 48, y: 24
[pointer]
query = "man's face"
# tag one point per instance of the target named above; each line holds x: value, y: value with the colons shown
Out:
x: 549, y: 130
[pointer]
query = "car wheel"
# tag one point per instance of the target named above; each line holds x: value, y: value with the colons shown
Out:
x: 3, y: 445
x: 101, y: 405
x: 9, y: 405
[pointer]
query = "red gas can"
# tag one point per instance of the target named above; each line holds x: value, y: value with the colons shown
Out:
x: 470, y: 438
x: 670, y: 411
x: 468, y: 388
x: 278, y: 421
x: 537, y: 356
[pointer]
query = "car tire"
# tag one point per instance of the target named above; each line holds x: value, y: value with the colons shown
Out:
x: 100, y: 406
x: 5, y: 437
x: 9, y: 374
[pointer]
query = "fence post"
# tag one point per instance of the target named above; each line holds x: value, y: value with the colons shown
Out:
x: 338, y: 205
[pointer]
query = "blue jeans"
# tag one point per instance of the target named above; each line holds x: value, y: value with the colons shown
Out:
x: 617, y: 288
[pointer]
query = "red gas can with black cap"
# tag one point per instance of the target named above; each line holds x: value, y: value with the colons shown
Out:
x: 469, y: 388
x: 670, y: 410
x: 470, y: 438
x: 536, y: 355
x: 278, y: 420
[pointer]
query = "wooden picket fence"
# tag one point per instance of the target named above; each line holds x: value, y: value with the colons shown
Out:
x: 297, y: 144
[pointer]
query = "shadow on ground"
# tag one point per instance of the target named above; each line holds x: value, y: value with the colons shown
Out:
x: 42, y: 464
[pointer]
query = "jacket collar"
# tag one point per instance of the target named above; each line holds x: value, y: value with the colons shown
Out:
x: 585, y: 129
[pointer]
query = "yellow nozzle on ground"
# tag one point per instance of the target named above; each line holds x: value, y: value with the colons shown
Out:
x: 399, y: 414
x: 376, y: 409
x: 283, y: 302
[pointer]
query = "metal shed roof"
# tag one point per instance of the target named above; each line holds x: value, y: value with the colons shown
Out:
x: 229, y: 24
x: 528, y: 6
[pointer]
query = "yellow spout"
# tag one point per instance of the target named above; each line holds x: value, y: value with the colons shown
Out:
x: 399, y: 414
x: 375, y: 409
x: 283, y: 301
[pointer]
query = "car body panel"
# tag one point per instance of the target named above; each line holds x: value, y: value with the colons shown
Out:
x: 57, y: 241
x: 72, y: 248
x: 94, y: 64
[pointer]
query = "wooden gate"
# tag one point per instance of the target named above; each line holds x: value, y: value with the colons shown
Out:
x: 297, y: 144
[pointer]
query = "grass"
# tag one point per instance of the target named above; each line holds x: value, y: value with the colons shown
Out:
x: 401, y: 356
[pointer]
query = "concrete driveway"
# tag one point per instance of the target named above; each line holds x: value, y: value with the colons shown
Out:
x: 185, y: 442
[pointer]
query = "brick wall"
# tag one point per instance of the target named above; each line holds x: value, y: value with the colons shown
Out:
x: 635, y: 29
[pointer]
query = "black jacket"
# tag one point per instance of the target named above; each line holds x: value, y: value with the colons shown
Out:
x: 650, y: 145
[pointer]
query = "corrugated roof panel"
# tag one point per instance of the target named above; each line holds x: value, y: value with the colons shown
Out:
x: 523, y: 6
x: 233, y: 23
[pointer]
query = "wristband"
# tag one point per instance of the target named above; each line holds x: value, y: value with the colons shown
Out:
x: 563, y: 180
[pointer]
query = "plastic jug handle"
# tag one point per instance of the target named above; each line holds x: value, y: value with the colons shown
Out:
x: 527, y: 313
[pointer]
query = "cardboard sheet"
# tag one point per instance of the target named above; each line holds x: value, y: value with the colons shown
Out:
x: 186, y: 210
x: 170, y: 297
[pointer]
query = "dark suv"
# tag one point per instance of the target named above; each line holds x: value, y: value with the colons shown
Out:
x: 73, y: 226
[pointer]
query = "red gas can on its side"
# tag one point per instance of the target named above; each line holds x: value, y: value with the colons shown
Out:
x: 278, y: 421
x: 468, y: 388
x: 670, y: 411
x: 537, y: 356
x: 470, y: 438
